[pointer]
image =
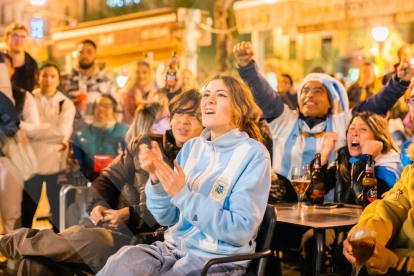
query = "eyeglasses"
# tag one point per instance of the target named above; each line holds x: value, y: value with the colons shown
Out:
x: 17, y: 37
x: 410, y: 101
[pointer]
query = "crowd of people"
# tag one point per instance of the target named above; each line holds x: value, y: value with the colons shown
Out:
x: 201, y: 160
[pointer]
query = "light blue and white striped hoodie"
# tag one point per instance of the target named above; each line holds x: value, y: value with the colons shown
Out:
x: 219, y: 210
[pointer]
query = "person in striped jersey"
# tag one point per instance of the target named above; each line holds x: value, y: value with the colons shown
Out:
x: 323, y: 108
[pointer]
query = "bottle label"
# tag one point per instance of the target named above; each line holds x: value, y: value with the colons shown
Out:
x: 372, y: 195
x: 171, y: 79
x: 317, y: 194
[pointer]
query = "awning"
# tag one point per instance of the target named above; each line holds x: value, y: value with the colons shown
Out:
x: 265, y: 15
x: 113, y: 38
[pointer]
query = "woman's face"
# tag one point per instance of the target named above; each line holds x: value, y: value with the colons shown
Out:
x: 215, y: 107
x: 49, y: 79
x: 187, y: 82
x: 143, y: 75
x: 358, y: 134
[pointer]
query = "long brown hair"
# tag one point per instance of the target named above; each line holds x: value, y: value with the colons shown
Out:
x: 379, y: 127
x: 241, y: 103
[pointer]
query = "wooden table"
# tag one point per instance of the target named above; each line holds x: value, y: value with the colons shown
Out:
x: 319, y: 220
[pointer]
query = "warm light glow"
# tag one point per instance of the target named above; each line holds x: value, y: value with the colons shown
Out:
x: 380, y: 34
x: 37, y: 2
x: 121, y: 81
x: 270, y: 1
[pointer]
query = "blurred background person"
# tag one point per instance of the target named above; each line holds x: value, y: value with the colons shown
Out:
x: 287, y: 92
x: 364, y: 87
x: 185, y: 82
x: 150, y: 118
x: 25, y: 65
x: 87, y: 81
x: 103, y: 139
x: 11, y: 181
x: 140, y: 88
x: 49, y: 142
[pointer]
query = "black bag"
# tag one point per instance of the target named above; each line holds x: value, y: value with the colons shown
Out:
x: 149, y: 237
x: 281, y: 190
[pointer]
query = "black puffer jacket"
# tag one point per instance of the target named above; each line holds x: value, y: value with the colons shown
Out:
x: 343, y: 191
x: 124, y: 174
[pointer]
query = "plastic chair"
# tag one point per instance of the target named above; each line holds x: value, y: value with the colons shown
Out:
x: 263, y: 242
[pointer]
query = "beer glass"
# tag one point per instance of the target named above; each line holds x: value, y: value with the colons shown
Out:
x: 300, y: 181
x: 363, y: 241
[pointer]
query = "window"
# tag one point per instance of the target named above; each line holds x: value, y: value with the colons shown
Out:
x: 326, y: 48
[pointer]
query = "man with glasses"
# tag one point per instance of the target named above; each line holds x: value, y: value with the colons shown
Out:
x: 24, y: 64
x: 406, y: 160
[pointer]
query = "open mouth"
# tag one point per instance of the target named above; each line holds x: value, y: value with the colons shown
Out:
x: 355, y: 145
x: 209, y: 112
x: 183, y: 131
x: 310, y: 104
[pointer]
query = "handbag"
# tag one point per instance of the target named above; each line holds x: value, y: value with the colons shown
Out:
x: 20, y: 153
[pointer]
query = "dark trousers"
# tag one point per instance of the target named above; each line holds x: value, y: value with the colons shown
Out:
x: 44, y: 251
x: 31, y: 197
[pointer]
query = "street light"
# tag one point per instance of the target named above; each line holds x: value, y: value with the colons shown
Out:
x: 37, y: 2
x: 380, y: 34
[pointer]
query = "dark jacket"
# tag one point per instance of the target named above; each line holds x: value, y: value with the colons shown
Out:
x: 125, y: 169
x: 19, y: 96
x: 9, y: 121
x: 343, y: 191
x: 25, y: 76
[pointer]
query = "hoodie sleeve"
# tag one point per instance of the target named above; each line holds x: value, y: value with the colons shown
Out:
x: 158, y: 201
x: 268, y: 100
x: 388, y: 217
x: 235, y: 224
x: 385, y: 99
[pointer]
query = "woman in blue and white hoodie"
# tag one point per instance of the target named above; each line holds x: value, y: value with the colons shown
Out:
x: 216, y: 202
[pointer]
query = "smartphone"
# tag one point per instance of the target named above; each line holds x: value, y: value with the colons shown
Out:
x: 412, y: 61
x: 329, y: 206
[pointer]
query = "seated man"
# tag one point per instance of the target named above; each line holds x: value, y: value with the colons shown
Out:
x: 103, y: 137
x: 93, y: 246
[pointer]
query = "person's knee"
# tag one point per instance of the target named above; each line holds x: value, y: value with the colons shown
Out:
x: 307, y: 241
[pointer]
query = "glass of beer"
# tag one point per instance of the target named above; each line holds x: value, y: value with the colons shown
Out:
x: 300, y: 181
x: 363, y: 241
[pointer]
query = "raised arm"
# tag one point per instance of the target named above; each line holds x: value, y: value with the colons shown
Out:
x: 267, y: 99
x: 385, y: 99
